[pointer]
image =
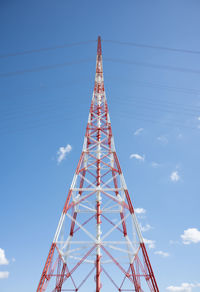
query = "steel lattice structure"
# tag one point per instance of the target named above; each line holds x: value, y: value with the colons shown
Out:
x: 98, y: 244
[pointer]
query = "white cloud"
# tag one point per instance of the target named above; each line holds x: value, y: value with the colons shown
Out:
x: 155, y: 164
x: 185, y: 287
x: 62, y: 152
x: 198, y: 118
x: 145, y: 228
x: 140, y: 211
x: 191, y: 235
x: 175, y: 176
x: 138, y: 131
x: 137, y: 156
x: 4, y: 275
x: 150, y: 243
x: 163, y: 139
x: 3, y: 259
x: 174, y: 242
x: 162, y: 253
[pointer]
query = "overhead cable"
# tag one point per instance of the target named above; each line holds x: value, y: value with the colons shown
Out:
x: 44, y: 68
x: 129, y: 62
x: 158, y: 85
x: 27, y: 52
x: 121, y: 114
x: 154, y: 66
x: 130, y: 101
x: 146, y: 46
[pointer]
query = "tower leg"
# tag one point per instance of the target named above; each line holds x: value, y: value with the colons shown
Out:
x: 59, y: 286
x: 98, y: 271
x: 150, y: 270
x: 46, y: 268
x: 137, y: 286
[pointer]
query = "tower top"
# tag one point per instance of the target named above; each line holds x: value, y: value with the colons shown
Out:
x: 99, y: 46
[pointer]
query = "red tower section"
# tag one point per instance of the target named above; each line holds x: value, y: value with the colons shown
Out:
x: 98, y: 245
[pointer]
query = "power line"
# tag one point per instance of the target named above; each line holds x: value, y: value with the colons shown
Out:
x: 160, y: 120
x: 154, y: 66
x: 167, y: 122
x: 70, y: 116
x: 35, y: 125
x: 144, y: 64
x: 149, y: 108
x: 67, y: 45
x: 44, y: 68
x: 44, y: 87
x: 161, y: 102
x: 136, y: 82
x: 155, y: 104
x: 159, y: 86
x: 146, y: 46
x: 134, y: 106
x: 27, y: 52
x: 147, y: 103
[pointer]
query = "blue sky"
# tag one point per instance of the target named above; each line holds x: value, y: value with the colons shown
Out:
x: 44, y: 110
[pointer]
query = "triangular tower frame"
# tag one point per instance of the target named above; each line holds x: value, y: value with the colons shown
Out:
x: 98, y: 233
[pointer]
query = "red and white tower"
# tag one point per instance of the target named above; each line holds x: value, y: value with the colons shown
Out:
x: 98, y: 245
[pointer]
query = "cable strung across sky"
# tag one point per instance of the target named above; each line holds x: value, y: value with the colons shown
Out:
x: 113, y: 60
x: 44, y: 68
x: 154, y: 66
x: 41, y: 123
x: 128, y: 101
x: 27, y: 52
x: 127, y: 43
x: 143, y: 83
x: 46, y: 113
x: 147, y: 46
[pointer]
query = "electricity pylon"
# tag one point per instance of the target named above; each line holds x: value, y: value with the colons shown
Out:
x: 98, y: 245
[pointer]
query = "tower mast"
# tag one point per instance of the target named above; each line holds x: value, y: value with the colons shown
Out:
x: 98, y: 199
x: 99, y: 94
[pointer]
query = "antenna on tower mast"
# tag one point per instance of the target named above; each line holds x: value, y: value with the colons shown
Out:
x: 99, y: 52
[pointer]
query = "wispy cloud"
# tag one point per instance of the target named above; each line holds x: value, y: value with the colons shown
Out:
x: 163, y: 139
x: 191, y: 235
x: 175, y: 176
x: 145, y: 228
x: 184, y: 287
x: 150, y: 243
x: 140, y: 211
x: 138, y: 131
x: 137, y: 156
x: 162, y: 253
x: 62, y: 152
x: 174, y: 242
x: 4, y: 275
x: 3, y: 259
x: 155, y: 164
